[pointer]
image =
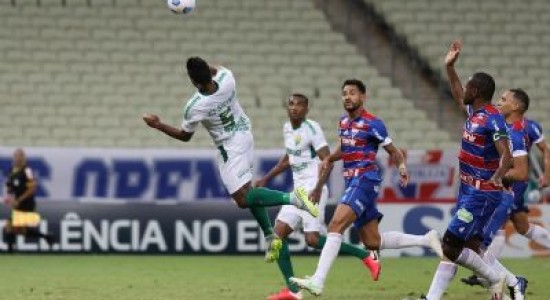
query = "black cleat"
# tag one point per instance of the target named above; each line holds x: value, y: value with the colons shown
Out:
x: 472, y: 280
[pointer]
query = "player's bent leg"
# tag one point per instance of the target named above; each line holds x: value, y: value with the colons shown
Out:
x: 9, y: 238
x: 371, y: 238
x: 343, y: 217
x: 283, y: 230
x: 534, y: 232
x: 341, y: 220
x: 443, y: 276
x: 453, y: 248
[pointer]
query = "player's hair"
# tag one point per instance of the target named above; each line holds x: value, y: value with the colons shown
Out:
x: 358, y: 83
x: 485, y: 85
x: 301, y: 97
x: 198, y: 70
x: 521, y: 96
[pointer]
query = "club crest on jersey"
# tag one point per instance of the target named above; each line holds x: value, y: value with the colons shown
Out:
x: 297, y: 139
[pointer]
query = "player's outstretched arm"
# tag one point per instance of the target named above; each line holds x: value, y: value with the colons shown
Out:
x: 324, y: 173
x: 279, y: 168
x: 456, y: 86
x: 154, y: 121
x: 544, y: 178
x: 336, y: 155
x: 397, y: 156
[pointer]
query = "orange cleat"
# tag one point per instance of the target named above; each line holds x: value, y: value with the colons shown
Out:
x: 285, y: 294
x: 373, y: 263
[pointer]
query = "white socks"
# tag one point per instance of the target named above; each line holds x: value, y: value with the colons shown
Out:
x: 474, y: 262
x: 497, y: 245
x: 398, y: 240
x: 539, y: 235
x: 445, y: 273
x: 328, y: 255
x: 490, y: 259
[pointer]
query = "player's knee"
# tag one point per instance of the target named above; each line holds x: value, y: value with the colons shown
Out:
x: 312, y: 240
x: 372, y: 244
x: 521, y: 227
x: 452, y: 246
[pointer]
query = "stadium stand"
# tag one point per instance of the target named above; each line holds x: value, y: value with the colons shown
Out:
x: 82, y: 72
x: 505, y: 38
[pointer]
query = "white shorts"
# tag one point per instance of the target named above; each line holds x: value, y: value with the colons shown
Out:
x: 297, y: 218
x: 236, y: 171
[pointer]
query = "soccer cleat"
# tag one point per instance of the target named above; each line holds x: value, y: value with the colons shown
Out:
x: 274, y: 244
x: 472, y: 280
x: 302, y: 201
x: 285, y: 294
x: 372, y: 262
x: 496, y: 289
x: 435, y: 242
x: 308, y: 284
x: 518, y: 291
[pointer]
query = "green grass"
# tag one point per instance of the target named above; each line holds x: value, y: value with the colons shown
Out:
x: 30, y: 277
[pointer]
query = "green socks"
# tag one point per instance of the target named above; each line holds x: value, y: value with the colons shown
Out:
x: 345, y: 248
x: 266, y: 197
x: 262, y: 217
x: 286, y: 267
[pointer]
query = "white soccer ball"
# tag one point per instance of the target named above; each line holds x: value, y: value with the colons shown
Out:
x: 181, y: 6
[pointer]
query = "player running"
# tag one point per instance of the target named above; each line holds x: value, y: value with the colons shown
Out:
x: 484, y: 159
x: 215, y: 105
x: 513, y: 105
x: 361, y: 134
x: 306, y: 147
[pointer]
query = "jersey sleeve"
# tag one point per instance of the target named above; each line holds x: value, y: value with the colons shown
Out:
x: 191, y: 116
x: 518, y: 143
x: 380, y: 132
x: 29, y: 173
x: 318, y: 139
x: 497, y: 127
x: 534, y: 130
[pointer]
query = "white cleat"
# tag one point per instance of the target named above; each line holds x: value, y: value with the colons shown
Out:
x: 308, y: 284
x: 496, y: 289
x: 435, y: 242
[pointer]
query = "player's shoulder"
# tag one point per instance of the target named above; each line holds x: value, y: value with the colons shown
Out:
x: 313, y: 126
x: 287, y: 126
x: 533, y: 124
x: 222, y: 74
x: 193, y: 104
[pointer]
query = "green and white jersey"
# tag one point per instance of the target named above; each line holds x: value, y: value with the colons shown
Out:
x: 220, y: 113
x: 302, y: 145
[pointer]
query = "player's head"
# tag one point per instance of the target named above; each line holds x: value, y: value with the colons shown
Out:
x: 19, y: 159
x: 513, y: 101
x: 297, y: 107
x: 354, y: 94
x: 480, y: 86
x: 199, y: 72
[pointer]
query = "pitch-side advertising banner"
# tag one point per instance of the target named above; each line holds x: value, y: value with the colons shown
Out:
x: 172, y: 175
x: 219, y: 228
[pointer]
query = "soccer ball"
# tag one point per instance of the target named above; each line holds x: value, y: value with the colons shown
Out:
x: 181, y: 6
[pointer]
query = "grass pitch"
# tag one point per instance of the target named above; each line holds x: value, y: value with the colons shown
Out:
x: 65, y: 277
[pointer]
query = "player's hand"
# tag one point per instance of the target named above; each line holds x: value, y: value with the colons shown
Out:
x: 260, y: 182
x: 453, y: 53
x: 496, y: 180
x: 8, y: 200
x: 315, y: 195
x: 151, y: 120
x: 403, y: 177
x: 543, y: 181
